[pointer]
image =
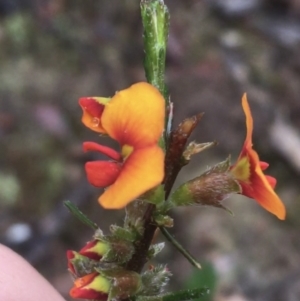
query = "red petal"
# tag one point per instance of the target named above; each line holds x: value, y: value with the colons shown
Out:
x: 263, y: 165
x: 70, y: 256
x: 86, y: 251
x: 91, y: 286
x: 95, y: 249
x: 272, y: 181
x: 91, y: 106
x: 102, y: 173
x: 88, y: 294
x: 260, y: 188
x: 92, y: 113
x: 92, y: 146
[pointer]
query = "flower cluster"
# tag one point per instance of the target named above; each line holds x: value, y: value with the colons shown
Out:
x: 135, y: 118
x: 89, y: 283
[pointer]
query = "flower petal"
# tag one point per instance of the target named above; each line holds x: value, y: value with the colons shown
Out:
x: 92, y: 112
x: 102, y: 173
x: 135, y: 116
x: 95, y: 249
x: 261, y: 190
x: 143, y: 170
x: 92, y: 286
x: 272, y: 181
x: 248, y: 171
x: 92, y: 146
x: 70, y: 256
x: 249, y: 121
x: 263, y: 165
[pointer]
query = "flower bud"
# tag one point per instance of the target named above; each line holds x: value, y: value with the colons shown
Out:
x: 120, y: 250
x: 154, y: 280
x: 72, y: 257
x: 95, y: 249
x: 124, y: 284
x: 92, y: 286
x: 177, y: 142
x: 80, y: 265
x: 211, y: 188
x: 82, y: 262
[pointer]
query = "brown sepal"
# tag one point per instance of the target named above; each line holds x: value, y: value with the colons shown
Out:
x: 176, y: 146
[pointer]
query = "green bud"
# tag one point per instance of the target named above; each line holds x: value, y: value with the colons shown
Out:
x: 154, y: 280
x: 124, y: 284
x: 118, y: 246
x: 154, y: 196
x: 155, y: 249
x: 120, y: 250
x: 164, y: 220
x: 211, y: 188
x: 80, y: 265
x: 123, y: 233
x: 133, y: 219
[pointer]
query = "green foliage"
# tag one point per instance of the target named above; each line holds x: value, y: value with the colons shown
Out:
x: 80, y: 216
x: 206, y: 277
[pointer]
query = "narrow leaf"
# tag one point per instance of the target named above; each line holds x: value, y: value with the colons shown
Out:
x: 79, y: 215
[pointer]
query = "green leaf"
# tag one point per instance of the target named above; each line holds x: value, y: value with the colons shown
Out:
x: 79, y: 215
x: 180, y: 248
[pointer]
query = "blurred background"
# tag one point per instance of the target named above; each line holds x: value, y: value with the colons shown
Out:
x: 54, y: 51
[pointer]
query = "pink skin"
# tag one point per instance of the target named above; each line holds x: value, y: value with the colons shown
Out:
x: 21, y: 282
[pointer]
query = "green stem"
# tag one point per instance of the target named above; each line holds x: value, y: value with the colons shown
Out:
x: 156, y: 19
x: 180, y: 248
x: 139, y: 258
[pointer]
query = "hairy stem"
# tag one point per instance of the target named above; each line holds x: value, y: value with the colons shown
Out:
x: 139, y: 257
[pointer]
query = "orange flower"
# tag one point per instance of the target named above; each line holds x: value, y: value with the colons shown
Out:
x: 92, y: 286
x: 135, y: 118
x: 248, y: 171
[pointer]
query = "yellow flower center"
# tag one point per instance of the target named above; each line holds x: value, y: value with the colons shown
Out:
x: 126, y: 151
x: 241, y: 170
